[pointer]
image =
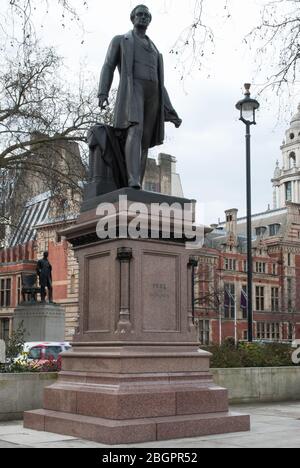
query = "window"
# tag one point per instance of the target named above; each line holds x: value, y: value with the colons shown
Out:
x: 245, y: 335
x: 205, y: 297
x: 244, y: 301
x: 275, y: 299
x: 152, y: 187
x: 35, y: 353
x: 72, y: 284
x: 229, y: 218
x: 229, y: 301
x: 52, y: 352
x: 204, y: 332
x: 289, y: 259
x: 260, y: 327
x: 19, y: 290
x: 5, y: 292
x: 4, y: 329
x: 260, y: 298
x: 288, y: 191
x: 64, y: 204
x: 260, y: 231
x: 230, y: 264
x: 275, y: 331
x: 274, y: 269
x: 292, y: 160
x: 274, y: 229
x: 268, y: 331
x: 260, y: 267
x: 245, y: 266
x: 291, y: 332
x: 290, y: 294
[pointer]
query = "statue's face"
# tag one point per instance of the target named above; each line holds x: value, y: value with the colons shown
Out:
x: 142, y: 17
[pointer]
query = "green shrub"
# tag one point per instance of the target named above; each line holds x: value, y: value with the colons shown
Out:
x: 15, y: 344
x: 250, y: 355
x: 14, y: 349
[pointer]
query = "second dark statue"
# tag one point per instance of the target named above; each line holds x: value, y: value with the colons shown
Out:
x: 142, y: 104
x: 44, y: 272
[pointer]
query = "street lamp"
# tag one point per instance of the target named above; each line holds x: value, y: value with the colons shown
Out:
x: 248, y: 108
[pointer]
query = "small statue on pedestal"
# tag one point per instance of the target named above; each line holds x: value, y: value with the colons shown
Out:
x: 44, y: 271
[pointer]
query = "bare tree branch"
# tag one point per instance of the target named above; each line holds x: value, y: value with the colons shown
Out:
x: 278, y: 39
x: 18, y: 23
x: 43, y: 127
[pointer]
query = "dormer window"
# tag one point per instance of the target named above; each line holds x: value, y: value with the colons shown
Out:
x: 274, y: 229
x: 260, y: 231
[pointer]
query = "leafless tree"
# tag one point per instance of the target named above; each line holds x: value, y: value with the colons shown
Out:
x: 275, y: 44
x: 277, y: 40
x: 44, y: 123
x: 17, y: 21
x: 196, y: 43
x: 209, y: 292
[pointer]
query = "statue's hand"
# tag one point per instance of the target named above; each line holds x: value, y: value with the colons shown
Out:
x: 177, y: 122
x: 103, y: 102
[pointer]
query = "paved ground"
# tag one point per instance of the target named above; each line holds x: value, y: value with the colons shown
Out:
x: 273, y: 426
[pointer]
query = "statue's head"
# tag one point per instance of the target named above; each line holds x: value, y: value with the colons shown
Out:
x: 46, y: 254
x: 141, y: 16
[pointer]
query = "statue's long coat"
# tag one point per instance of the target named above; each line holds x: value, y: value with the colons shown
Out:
x: 44, y: 271
x: 121, y: 54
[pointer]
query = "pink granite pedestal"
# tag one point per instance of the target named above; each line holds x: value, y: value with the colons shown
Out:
x: 135, y: 373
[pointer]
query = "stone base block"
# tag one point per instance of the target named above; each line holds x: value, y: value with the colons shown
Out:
x: 135, y: 372
x: 113, y: 432
x: 114, y: 396
x: 42, y: 322
x: 136, y: 403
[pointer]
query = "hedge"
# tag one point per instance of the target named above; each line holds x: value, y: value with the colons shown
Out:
x: 228, y: 355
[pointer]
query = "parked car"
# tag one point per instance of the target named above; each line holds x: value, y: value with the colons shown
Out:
x: 45, y: 351
x: 40, y: 353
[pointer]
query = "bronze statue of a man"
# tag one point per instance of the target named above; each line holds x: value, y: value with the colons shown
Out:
x: 44, y: 271
x: 142, y: 104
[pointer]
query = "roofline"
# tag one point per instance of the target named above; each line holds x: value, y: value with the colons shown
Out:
x: 38, y: 198
x: 278, y: 210
x: 55, y: 223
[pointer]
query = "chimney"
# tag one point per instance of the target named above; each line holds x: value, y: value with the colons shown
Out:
x: 231, y: 221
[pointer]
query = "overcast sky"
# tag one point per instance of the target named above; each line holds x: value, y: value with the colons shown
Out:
x: 210, y: 145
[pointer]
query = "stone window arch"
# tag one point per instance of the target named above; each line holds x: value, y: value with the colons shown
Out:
x: 292, y: 160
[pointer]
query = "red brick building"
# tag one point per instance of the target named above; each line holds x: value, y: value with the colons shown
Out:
x: 13, y: 262
x: 222, y: 292
x: 38, y: 231
x: 222, y: 278
x: 22, y: 259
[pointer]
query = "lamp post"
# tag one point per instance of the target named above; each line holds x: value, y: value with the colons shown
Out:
x: 248, y: 108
